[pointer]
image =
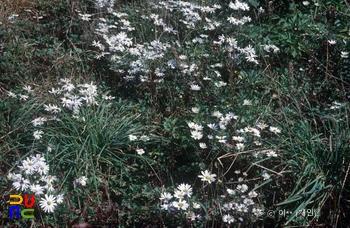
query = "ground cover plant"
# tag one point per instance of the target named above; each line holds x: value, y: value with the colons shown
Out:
x: 175, y: 113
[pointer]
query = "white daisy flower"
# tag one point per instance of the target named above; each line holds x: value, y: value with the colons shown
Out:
x: 195, y: 87
x: 275, y: 130
x: 50, y: 147
x: 82, y: 180
x: 221, y: 139
x: 132, y: 137
x: 28, y: 88
x: 196, y: 205
x: 195, y: 110
x: 165, y: 206
x: 212, y: 126
x: 181, y: 204
x: 231, y: 115
x: 178, y: 194
x: 231, y: 192
x: 43, y: 168
x: 228, y: 218
x: 257, y: 143
x: 186, y: 189
x: 252, y: 194
x: 12, y: 177
x: 217, y: 114
x: 198, y: 127
x: 257, y: 212
x: 38, y: 121
x: 248, y: 202
x: 52, y: 108
x: 197, y: 135
x: 59, y: 198
x: 202, y: 145
x: 332, y: 42
x: 29, y: 165
x: 207, y: 176
x: 241, y: 208
x: 140, y: 151
x: 256, y: 132
x: 49, y: 178
x: 237, y: 138
x: 21, y: 184
x: 23, y: 97
x: 37, y: 189
x: 240, y: 146
x: 191, y: 125
x: 38, y: 134
x: 261, y: 10
x: 266, y: 176
x: 242, y: 188
x: 166, y: 196
x: 261, y: 126
x: 38, y: 158
x: 48, y: 204
x: 49, y: 187
x: 271, y: 153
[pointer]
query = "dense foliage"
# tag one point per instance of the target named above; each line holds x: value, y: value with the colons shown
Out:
x: 176, y: 114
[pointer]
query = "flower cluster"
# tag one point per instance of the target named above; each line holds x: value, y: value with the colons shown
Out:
x: 24, y: 97
x: 219, y: 127
x: 72, y: 100
x: 34, y: 178
x: 72, y: 97
x: 268, y: 153
x: 336, y: 105
x: 143, y: 138
x: 181, y: 201
x: 224, y: 120
x: 139, y: 59
x: 269, y: 47
x: 239, y: 204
